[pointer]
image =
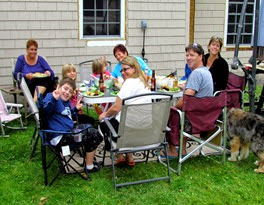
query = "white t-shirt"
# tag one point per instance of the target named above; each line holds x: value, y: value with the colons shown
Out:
x: 131, y: 87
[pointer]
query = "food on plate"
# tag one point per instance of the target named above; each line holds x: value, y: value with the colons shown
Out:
x: 39, y: 75
x: 94, y: 93
x: 168, y: 89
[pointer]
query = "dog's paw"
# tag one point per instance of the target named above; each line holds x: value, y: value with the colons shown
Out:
x: 232, y: 159
x: 240, y: 158
x: 256, y: 163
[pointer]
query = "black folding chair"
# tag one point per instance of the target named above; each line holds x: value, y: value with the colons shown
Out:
x: 51, y: 154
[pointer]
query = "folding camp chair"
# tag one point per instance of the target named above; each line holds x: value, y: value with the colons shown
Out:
x: 203, y: 113
x: 72, y: 141
x: 7, y: 116
x: 235, y: 90
x: 142, y: 127
x: 33, y: 111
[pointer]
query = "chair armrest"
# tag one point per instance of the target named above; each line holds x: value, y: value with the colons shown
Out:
x: 14, y: 105
x: 109, y: 125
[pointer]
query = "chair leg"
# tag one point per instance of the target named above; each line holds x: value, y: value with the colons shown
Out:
x: 34, y: 143
x: 3, y: 131
x: 113, y: 169
x: 44, y: 164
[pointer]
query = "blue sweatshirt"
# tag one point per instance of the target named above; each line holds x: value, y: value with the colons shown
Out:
x: 58, y: 114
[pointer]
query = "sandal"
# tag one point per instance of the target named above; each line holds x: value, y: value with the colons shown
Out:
x: 131, y: 164
x: 120, y: 161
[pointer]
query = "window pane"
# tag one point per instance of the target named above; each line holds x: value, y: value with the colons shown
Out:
x: 88, y: 4
x: 249, y: 8
x: 248, y: 29
x: 101, y: 29
x: 101, y: 4
x: 114, y: 29
x: 114, y: 16
x: 88, y: 29
x: 114, y: 4
x: 249, y: 19
x: 232, y: 8
x: 230, y: 39
x: 231, y: 19
x: 88, y: 16
x: 247, y: 39
x: 101, y: 16
x: 231, y: 29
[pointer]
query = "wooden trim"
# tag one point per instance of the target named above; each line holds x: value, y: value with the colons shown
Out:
x: 240, y: 49
x: 192, y: 15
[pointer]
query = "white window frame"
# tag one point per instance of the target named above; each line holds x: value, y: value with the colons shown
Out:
x: 226, y: 28
x: 103, y: 40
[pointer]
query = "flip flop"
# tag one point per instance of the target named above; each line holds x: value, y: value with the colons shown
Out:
x: 163, y: 155
x: 121, y: 161
x: 130, y: 164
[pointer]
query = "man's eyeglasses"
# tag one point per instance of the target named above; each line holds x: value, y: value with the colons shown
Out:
x: 125, y: 69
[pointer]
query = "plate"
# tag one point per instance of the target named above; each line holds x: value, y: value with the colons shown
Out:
x: 82, y: 89
x: 169, y: 91
x: 93, y: 96
x: 39, y: 75
x: 114, y: 93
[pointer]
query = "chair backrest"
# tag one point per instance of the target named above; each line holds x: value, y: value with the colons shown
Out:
x: 29, y: 98
x: 236, y: 82
x: 3, y: 108
x: 143, y: 120
x: 85, y: 69
x: 203, y: 112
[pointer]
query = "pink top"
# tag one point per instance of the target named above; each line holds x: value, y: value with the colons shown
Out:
x: 107, y: 73
x: 73, y: 102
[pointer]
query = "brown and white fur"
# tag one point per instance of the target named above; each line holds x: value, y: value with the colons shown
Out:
x: 246, y: 130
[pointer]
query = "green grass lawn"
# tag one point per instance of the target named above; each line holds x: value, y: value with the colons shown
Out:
x: 202, y: 180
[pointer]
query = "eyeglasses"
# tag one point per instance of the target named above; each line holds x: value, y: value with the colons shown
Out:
x: 125, y: 69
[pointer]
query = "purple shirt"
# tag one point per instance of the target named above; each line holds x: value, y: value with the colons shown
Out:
x: 41, y: 66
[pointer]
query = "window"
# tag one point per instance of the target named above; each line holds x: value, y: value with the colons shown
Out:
x: 101, y: 19
x: 234, y: 13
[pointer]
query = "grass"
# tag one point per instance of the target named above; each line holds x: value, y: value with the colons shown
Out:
x: 202, y: 181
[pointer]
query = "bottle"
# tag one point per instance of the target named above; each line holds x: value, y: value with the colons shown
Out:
x: 175, y: 83
x: 101, y: 83
x: 153, y: 81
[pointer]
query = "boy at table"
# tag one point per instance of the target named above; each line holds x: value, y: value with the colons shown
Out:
x: 59, y: 117
x: 199, y: 84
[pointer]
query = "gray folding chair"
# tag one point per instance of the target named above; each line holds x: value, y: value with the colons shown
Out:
x: 142, y: 127
x: 33, y: 111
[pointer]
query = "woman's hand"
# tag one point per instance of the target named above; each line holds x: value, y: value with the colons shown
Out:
x: 47, y: 73
x: 29, y: 76
x: 102, y: 116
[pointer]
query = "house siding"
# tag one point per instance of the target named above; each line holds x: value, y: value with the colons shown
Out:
x: 54, y: 24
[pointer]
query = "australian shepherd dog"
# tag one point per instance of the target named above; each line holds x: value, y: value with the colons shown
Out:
x: 246, y: 130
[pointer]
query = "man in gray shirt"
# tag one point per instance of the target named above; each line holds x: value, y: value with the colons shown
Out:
x: 199, y: 84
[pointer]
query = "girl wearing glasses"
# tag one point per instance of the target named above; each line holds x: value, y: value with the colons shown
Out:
x: 216, y: 64
x: 134, y: 84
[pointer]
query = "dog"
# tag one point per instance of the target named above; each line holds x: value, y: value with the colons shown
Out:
x: 246, y: 130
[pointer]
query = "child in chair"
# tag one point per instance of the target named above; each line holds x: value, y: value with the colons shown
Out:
x: 99, y: 66
x: 58, y: 114
x: 68, y: 70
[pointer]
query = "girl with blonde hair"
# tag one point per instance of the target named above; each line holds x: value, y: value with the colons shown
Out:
x: 69, y: 70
